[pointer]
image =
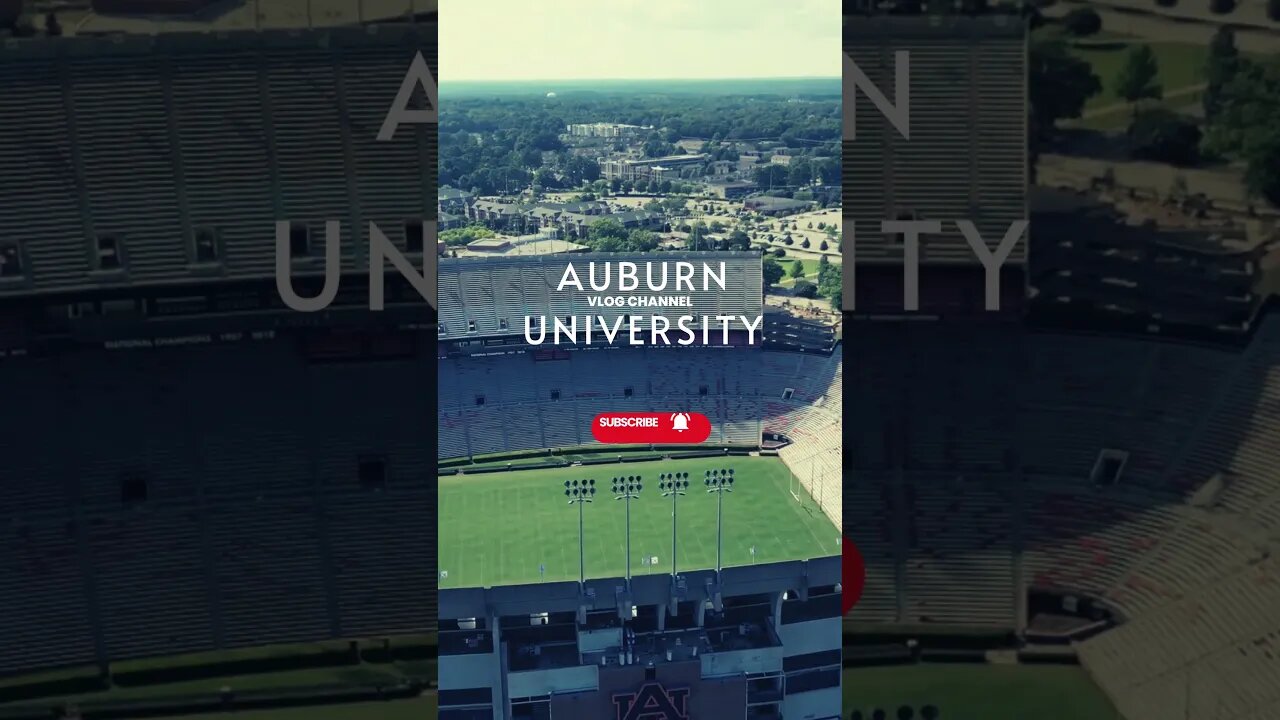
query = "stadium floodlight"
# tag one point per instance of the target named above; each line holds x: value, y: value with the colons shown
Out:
x: 580, y: 492
x: 719, y: 481
x: 673, y: 485
x: 626, y: 489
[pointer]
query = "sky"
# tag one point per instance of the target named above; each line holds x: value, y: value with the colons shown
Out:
x: 516, y: 40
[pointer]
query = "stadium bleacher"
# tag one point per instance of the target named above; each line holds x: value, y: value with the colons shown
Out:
x: 977, y: 477
x: 197, y: 517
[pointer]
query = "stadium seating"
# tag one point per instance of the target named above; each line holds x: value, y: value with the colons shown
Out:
x: 188, y: 513
x: 1001, y: 428
x: 154, y: 140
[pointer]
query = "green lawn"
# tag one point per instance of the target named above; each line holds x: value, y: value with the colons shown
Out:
x: 497, y: 528
x: 1181, y: 66
x: 810, y: 269
x: 978, y: 692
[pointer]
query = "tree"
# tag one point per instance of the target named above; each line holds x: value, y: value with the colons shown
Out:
x: 1165, y: 136
x: 797, y: 269
x: 1137, y: 78
x: 823, y: 247
x: 772, y: 271
x: 1245, y: 126
x: 806, y: 289
x: 1082, y: 22
x: 1223, y: 63
x: 640, y: 240
x: 1060, y: 84
x: 739, y: 240
x: 465, y: 235
x: 697, y: 235
x: 829, y: 279
x: 52, y: 27
x: 1262, y: 175
x: 805, y: 243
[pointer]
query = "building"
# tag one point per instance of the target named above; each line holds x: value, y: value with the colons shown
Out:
x: 730, y: 189
x: 573, y: 220
x: 966, y: 159
x: 452, y: 200
x: 606, y: 130
x: 758, y: 641
x: 449, y: 221
x: 663, y: 168
x: 498, y: 213
x: 777, y: 206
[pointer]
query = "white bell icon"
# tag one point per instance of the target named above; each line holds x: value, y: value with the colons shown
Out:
x: 680, y: 422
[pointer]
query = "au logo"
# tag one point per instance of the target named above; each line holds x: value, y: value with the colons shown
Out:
x: 653, y: 702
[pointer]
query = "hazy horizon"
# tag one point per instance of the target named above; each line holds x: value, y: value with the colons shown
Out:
x: 568, y: 40
x: 570, y: 88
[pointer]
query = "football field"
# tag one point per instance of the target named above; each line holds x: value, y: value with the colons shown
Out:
x: 976, y: 692
x: 517, y: 527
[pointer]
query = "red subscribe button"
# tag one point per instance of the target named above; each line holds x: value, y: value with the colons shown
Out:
x: 651, y: 428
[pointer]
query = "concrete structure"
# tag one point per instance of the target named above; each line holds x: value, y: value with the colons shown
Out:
x: 490, y: 298
x: 670, y: 167
x: 966, y: 158
x: 776, y: 206
x: 730, y: 189
x: 606, y: 130
x: 1150, y: 265
x: 757, y: 641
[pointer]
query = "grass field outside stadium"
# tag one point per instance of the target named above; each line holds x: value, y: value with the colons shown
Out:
x: 962, y: 691
x: 502, y: 528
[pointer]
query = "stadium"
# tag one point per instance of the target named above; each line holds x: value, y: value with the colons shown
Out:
x: 1068, y: 508
x: 643, y: 601
x: 212, y: 502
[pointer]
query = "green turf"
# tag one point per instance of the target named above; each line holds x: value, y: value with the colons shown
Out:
x: 496, y: 529
x: 810, y: 269
x: 978, y: 692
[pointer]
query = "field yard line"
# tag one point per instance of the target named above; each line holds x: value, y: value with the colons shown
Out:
x: 541, y: 549
x: 502, y: 537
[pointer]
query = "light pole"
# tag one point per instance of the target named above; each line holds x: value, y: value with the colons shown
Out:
x: 580, y: 491
x: 627, y: 489
x: 673, y: 485
x: 719, y: 482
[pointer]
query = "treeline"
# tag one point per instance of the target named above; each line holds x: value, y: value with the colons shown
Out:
x: 496, y: 145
